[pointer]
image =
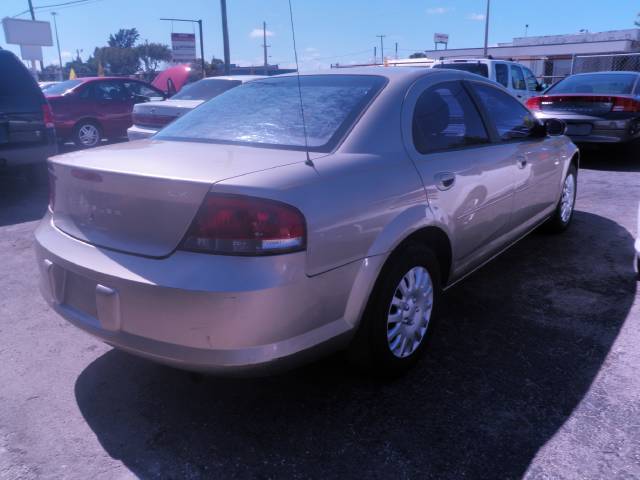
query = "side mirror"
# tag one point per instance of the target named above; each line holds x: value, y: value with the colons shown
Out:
x: 555, y: 127
x: 541, y: 87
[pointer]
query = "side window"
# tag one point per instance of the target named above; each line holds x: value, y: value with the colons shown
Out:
x: 502, y: 74
x: 109, y: 90
x: 517, y: 79
x: 530, y: 78
x: 86, y: 92
x: 445, y: 117
x: 512, y: 120
x: 137, y: 88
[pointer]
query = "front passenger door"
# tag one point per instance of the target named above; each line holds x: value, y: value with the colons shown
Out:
x: 538, y: 168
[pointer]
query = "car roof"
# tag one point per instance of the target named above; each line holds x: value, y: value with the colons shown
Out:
x: 611, y: 72
x: 240, y: 78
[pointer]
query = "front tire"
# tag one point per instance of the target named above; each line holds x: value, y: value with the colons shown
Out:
x: 87, y: 134
x: 563, y: 214
x: 399, y: 318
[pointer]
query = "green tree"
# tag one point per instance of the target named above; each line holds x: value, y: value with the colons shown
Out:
x: 118, y: 61
x: 418, y: 55
x: 124, y: 38
x: 152, y: 54
x: 637, y: 22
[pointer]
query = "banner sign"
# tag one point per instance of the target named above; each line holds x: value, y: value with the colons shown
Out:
x: 183, y: 46
x: 440, y: 38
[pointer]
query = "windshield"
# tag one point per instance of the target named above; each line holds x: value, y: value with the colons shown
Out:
x: 267, y: 112
x: 477, y: 68
x: 205, y: 89
x: 609, y: 83
x: 62, y: 87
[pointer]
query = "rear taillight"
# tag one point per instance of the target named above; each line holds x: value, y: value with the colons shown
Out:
x: 47, y: 115
x: 241, y: 225
x: 534, y: 103
x: 624, y: 104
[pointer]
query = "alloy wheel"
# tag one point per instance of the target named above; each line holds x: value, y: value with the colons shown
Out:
x: 568, y: 198
x: 89, y: 135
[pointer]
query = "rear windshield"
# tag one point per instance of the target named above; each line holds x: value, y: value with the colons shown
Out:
x: 205, y: 89
x: 62, y: 87
x: 477, y: 68
x: 610, y: 83
x: 266, y: 113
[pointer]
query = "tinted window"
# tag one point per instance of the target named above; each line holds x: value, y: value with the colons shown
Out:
x: 517, y: 79
x: 611, y: 83
x: 511, y: 118
x: 477, y: 68
x: 502, y: 74
x: 530, y: 79
x: 107, y: 90
x: 142, y: 90
x: 205, y: 89
x: 267, y: 112
x: 16, y: 79
x: 445, y: 117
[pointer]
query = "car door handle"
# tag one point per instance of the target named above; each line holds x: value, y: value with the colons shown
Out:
x: 521, y: 161
x: 445, y: 180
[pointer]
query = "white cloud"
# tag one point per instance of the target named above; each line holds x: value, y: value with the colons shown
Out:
x: 257, y: 33
x: 65, y: 54
x: 437, y: 10
x: 478, y: 17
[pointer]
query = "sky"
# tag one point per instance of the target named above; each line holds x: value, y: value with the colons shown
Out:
x: 327, y: 31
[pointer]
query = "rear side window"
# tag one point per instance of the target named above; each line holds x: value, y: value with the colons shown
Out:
x: 142, y: 90
x: 512, y: 120
x: 445, y: 117
x: 502, y: 74
x: 608, y: 83
x: 205, y: 89
x: 517, y: 79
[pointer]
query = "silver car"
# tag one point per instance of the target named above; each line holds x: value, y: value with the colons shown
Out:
x: 149, y: 117
x: 242, y: 237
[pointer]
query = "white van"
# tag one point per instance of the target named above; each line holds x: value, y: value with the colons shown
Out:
x: 515, y: 77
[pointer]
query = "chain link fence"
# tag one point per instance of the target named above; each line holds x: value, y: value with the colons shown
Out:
x: 604, y: 63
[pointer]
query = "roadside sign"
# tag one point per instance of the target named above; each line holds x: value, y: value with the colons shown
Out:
x: 440, y: 38
x: 183, y: 47
x: 31, y: 52
x: 27, y: 32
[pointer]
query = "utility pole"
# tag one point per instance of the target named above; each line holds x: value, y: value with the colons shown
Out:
x: 381, y: 37
x: 526, y: 30
x: 486, y: 30
x: 265, y: 46
x: 33, y: 62
x: 225, y: 36
x: 375, y: 54
x: 204, y: 72
x: 396, y: 50
x: 55, y: 26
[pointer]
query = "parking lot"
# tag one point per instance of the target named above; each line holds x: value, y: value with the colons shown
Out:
x: 533, y: 373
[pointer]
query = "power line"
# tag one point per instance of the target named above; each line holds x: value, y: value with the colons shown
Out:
x: 67, y: 4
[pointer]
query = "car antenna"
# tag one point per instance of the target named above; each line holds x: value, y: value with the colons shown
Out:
x: 304, y: 124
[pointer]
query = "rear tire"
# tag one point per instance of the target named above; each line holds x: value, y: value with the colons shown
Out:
x: 87, y: 134
x: 563, y: 214
x: 399, y: 318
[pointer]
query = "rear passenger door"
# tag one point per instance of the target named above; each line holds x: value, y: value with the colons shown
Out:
x: 537, y: 168
x: 469, y: 182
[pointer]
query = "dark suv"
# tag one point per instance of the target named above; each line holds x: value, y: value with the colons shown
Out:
x: 27, y: 134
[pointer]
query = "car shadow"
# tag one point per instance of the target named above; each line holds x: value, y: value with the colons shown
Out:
x: 611, y: 158
x: 517, y: 348
x: 20, y: 199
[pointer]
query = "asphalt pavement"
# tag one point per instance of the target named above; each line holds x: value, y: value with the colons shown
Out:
x: 533, y: 373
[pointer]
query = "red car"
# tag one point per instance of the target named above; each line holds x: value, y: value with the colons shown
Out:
x: 86, y: 110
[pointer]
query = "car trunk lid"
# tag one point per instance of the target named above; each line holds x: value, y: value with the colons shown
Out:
x: 141, y: 198
x: 584, y: 104
x: 159, y: 114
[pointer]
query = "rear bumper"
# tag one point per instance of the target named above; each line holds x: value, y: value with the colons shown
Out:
x: 26, y: 155
x: 601, y: 130
x: 199, y: 312
x: 137, y: 132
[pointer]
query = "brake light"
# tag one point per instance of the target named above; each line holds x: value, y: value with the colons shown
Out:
x: 242, y: 225
x: 534, y: 103
x: 47, y: 115
x: 624, y: 104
